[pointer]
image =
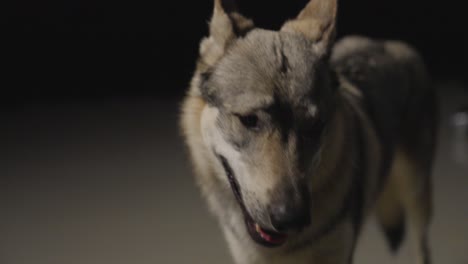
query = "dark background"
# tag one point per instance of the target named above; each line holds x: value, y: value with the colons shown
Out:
x: 58, y: 51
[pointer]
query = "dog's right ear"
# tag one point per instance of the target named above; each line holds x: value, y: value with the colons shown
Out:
x: 316, y: 22
x: 225, y: 26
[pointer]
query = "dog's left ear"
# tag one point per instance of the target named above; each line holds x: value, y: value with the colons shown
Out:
x: 317, y: 22
x: 226, y: 25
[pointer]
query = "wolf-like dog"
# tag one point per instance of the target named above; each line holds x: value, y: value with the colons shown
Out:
x: 295, y: 138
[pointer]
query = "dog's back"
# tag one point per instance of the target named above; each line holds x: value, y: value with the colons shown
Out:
x: 391, y: 85
x: 395, y: 87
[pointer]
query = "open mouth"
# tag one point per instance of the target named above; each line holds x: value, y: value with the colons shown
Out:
x: 262, y: 236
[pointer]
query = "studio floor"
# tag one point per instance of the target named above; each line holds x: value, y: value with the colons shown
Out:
x: 109, y: 183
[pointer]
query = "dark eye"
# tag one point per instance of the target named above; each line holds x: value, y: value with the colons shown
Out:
x: 249, y: 121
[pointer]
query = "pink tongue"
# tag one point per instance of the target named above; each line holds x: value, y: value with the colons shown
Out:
x: 276, y: 239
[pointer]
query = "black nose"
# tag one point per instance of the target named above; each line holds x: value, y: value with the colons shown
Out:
x: 290, y: 211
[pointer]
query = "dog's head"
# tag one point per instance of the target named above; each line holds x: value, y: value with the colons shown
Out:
x: 269, y: 98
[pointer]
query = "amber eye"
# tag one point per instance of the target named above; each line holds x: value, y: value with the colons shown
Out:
x: 249, y: 121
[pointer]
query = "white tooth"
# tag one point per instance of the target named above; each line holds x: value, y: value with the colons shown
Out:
x: 258, y: 229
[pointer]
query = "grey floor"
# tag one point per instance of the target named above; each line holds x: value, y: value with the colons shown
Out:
x: 110, y: 184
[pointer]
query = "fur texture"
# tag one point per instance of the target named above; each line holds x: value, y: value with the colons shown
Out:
x: 293, y: 137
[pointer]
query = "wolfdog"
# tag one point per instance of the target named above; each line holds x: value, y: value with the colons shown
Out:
x: 296, y: 137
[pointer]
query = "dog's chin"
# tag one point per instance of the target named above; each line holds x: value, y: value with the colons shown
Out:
x: 262, y: 236
x: 258, y: 234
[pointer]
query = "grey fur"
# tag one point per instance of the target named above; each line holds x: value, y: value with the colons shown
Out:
x: 333, y: 128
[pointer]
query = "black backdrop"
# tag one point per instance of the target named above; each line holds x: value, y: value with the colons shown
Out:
x: 95, y: 49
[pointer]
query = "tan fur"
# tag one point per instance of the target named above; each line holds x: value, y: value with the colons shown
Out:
x: 408, y: 192
x: 190, y: 123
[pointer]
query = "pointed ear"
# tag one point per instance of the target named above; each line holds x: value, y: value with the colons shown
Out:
x: 317, y: 22
x: 225, y: 26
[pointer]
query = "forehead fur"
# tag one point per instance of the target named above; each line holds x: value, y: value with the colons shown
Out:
x: 262, y: 66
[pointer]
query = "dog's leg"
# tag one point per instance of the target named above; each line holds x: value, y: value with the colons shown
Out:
x: 411, y: 183
x: 390, y: 214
